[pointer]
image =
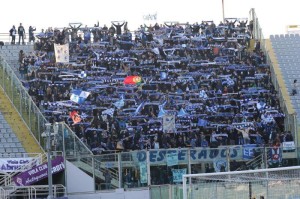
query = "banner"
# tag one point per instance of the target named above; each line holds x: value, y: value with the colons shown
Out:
x: 172, y: 159
x: 169, y: 123
x: 288, y: 146
x: 38, y: 173
x: 150, y: 17
x: 177, y: 174
x: 159, y: 157
x: 61, y: 53
x: 13, y: 164
x: 276, y: 155
x: 220, y: 165
x: 143, y: 172
x: 248, y: 151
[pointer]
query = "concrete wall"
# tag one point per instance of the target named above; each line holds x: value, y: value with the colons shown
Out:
x: 77, y: 180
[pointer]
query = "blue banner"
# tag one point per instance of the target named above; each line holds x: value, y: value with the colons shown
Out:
x: 177, y: 174
x: 172, y: 159
x: 143, y: 172
x: 159, y: 157
x: 248, y: 151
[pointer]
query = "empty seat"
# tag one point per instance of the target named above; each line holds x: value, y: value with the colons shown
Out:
x: 22, y: 150
x: 8, y: 150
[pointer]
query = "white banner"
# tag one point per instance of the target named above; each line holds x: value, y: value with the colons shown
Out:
x: 169, y: 123
x: 288, y: 146
x: 13, y: 164
x: 61, y: 53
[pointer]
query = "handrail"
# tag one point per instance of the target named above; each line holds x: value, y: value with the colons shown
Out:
x: 34, y: 191
x: 114, y: 172
x: 10, y: 72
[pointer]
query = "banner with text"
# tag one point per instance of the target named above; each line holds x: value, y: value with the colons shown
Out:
x: 38, y: 173
x: 197, y: 155
x: 14, y: 164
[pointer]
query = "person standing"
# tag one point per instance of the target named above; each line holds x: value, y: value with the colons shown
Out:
x: 118, y: 28
x: 294, y: 89
x: 107, y: 177
x: 12, y: 33
x: 21, y: 33
x: 31, y: 34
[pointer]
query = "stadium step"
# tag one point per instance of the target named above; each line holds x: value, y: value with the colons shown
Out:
x: 18, y: 126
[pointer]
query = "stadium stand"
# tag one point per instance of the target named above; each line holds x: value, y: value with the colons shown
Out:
x: 174, y: 86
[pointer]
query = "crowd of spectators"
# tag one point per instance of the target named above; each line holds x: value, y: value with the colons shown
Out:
x: 219, y: 92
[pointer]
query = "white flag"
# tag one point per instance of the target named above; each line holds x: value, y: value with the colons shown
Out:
x: 61, y: 53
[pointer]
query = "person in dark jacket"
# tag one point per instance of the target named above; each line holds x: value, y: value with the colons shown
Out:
x: 12, y: 33
x: 21, y: 33
x: 118, y: 27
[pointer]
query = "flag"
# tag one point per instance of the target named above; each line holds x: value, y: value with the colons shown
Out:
x: 61, y: 53
x: 82, y: 74
x: 79, y: 96
x: 182, y: 113
x: 202, y: 122
x: 163, y: 75
x: 120, y: 103
x: 138, y: 108
x: 132, y: 80
x: 161, y: 112
x: 203, y: 94
x: 155, y: 50
x: 75, y: 117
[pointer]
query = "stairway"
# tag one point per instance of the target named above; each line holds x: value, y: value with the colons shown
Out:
x: 86, y: 165
x: 10, y: 54
x: 17, y: 125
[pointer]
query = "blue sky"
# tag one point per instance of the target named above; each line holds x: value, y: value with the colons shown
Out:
x: 274, y: 15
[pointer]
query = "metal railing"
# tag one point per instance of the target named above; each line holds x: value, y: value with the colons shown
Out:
x: 120, y: 164
x: 32, y: 192
x: 39, y: 158
x: 31, y: 114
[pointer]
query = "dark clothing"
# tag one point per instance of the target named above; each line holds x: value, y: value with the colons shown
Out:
x: 31, y: 34
x: 12, y: 33
x: 21, y: 33
x: 118, y: 28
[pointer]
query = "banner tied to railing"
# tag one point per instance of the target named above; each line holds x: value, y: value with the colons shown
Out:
x: 38, y: 173
x: 17, y: 164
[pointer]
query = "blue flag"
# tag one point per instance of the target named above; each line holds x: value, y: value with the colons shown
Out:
x: 79, y: 96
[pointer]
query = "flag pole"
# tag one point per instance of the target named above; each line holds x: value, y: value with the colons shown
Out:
x: 223, y: 11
